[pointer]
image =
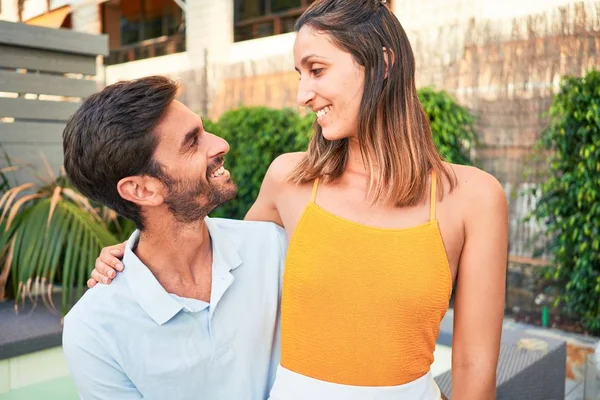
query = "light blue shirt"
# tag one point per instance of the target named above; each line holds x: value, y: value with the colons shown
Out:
x: 131, y: 339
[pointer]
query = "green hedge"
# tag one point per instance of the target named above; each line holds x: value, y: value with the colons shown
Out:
x: 570, y: 198
x: 257, y: 135
x: 451, y: 124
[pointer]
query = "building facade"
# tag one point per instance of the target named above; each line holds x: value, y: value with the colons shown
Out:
x: 503, y: 60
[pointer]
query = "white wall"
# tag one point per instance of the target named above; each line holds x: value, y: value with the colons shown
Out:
x: 8, y: 11
x: 173, y: 65
x: 263, y: 48
x: 86, y: 16
x: 268, y: 55
x: 33, y: 8
x: 209, y: 27
x: 176, y: 66
x: 423, y: 15
x: 494, y: 9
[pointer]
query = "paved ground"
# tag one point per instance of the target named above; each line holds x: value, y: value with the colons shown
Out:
x: 443, y: 354
x: 63, y: 388
x: 573, y: 390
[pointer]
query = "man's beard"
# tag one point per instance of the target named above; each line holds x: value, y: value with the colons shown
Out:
x: 190, y: 201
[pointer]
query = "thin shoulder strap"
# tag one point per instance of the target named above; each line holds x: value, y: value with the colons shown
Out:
x: 314, y: 191
x: 433, y: 196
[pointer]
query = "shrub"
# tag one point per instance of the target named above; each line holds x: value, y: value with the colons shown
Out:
x: 257, y: 135
x: 451, y: 124
x: 569, y: 205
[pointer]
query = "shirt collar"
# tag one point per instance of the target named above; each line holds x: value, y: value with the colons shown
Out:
x: 225, y: 254
x: 149, y: 293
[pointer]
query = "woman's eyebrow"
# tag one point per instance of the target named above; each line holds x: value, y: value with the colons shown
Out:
x: 305, y: 60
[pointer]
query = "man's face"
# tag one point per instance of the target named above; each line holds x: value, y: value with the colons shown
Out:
x: 192, y: 161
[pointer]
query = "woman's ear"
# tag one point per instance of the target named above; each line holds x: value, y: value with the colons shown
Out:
x: 141, y: 190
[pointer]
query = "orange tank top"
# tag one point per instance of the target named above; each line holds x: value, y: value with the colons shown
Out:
x: 362, y: 305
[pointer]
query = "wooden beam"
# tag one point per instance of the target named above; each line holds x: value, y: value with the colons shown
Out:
x: 31, y: 133
x: 29, y: 158
x: 535, y: 262
x: 20, y: 4
x: 37, y: 109
x: 45, y: 84
x: 59, y: 40
x: 46, y: 60
x: 277, y: 26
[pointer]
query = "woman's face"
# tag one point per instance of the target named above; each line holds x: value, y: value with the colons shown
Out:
x: 331, y: 83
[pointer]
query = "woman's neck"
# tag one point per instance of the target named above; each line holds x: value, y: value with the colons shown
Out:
x: 355, y: 163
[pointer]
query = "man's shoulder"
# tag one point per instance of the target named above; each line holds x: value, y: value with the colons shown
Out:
x: 253, y: 236
x: 234, y: 228
x: 101, y: 304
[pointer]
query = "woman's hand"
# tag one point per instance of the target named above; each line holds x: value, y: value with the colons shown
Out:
x: 108, y: 264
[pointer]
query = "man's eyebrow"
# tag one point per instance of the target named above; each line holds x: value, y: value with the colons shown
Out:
x: 304, y: 60
x: 189, y: 137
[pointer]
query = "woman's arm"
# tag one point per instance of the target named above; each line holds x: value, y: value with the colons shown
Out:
x: 479, y: 301
x: 265, y: 206
x: 273, y: 186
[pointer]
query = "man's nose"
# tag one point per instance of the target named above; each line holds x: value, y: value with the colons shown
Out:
x: 220, y: 146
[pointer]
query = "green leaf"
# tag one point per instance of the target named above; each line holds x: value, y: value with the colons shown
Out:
x: 569, y: 201
x: 61, y: 251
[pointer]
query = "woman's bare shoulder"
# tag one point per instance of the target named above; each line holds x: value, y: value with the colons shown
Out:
x: 282, y: 166
x: 477, y: 188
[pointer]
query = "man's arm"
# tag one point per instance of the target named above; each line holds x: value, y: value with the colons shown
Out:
x: 97, y: 375
x: 479, y: 303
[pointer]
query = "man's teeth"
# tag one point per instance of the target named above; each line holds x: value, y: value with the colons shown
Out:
x: 323, y: 111
x: 218, y: 172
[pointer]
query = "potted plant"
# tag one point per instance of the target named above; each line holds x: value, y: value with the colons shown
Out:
x: 50, y: 236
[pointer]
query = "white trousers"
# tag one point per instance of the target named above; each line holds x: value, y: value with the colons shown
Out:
x: 290, y: 385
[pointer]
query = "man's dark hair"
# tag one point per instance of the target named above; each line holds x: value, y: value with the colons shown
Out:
x: 112, y: 136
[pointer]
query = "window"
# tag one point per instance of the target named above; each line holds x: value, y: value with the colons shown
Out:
x: 140, y: 29
x: 143, y: 25
x: 261, y: 18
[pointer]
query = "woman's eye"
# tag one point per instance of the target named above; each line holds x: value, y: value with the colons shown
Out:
x: 316, y: 71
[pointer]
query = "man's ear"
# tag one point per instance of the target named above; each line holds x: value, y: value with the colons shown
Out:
x: 141, y: 190
x: 388, y: 60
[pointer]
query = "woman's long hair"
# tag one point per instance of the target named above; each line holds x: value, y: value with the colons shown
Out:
x: 394, y: 135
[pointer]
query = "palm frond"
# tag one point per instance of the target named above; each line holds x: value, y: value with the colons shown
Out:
x: 48, y: 167
x: 9, y: 197
x: 17, y: 206
x: 48, y: 236
x: 82, y: 201
x: 11, y: 168
x: 53, y: 201
x: 6, y: 269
